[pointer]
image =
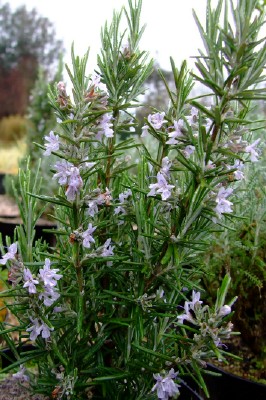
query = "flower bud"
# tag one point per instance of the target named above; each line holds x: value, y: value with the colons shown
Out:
x: 225, y: 310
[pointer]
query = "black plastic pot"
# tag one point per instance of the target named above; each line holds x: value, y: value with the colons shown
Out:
x: 2, y: 187
x: 8, y: 225
x: 232, y: 387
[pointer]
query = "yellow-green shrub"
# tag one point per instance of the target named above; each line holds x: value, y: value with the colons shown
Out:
x: 12, y: 128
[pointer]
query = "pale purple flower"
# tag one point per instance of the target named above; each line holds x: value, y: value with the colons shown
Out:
x: 145, y: 131
x: 21, y: 375
x: 59, y: 309
x: 49, y: 276
x: 224, y: 310
x: 94, y: 202
x: 10, y: 255
x: 49, y: 295
x: 68, y: 174
x: 30, y: 282
x: 188, y: 150
x: 107, y: 249
x: 92, y: 208
x: 238, y: 174
x: 161, y: 187
x: 195, y: 300
x: 223, y: 205
x: 190, y: 305
x: 119, y: 210
x: 210, y: 165
x: 53, y: 143
x: 165, y: 386
x: 105, y: 127
x: 104, y: 198
x: 87, y: 236
x: 124, y: 196
x: 166, y: 165
x: 88, y: 164
x: 156, y: 120
x: 192, y: 118
x: 159, y: 293
x: 63, y: 171
x: 96, y: 81
x: 61, y: 87
x: 252, y: 150
x: 125, y: 48
x: 74, y: 183
x: 39, y: 328
x: 186, y: 315
x: 177, y: 133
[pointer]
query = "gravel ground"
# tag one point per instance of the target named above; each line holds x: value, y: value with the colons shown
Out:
x: 11, y: 389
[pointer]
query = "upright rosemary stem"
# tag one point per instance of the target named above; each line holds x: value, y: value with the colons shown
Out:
x: 79, y: 272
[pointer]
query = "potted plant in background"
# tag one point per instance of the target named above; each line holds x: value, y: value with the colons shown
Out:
x: 116, y: 308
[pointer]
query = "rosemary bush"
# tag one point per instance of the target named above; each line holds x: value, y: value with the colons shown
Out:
x: 114, y: 309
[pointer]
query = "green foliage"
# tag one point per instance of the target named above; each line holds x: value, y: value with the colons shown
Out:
x: 40, y: 121
x: 240, y: 251
x: 40, y: 113
x: 121, y: 63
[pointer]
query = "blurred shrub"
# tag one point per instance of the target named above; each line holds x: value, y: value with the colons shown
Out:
x: 241, y: 252
x: 10, y: 156
x: 40, y: 113
x: 41, y: 119
x: 13, y: 128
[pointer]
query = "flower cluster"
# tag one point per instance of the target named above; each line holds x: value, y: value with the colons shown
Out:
x: 222, y: 204
x: 53, y: 143
x: 209, y: 322
x: 44, y: 286
x: 165, y: 385
x: 68, y: 175
x: 156, y: 121
x: 10, y: 254
x: 123, y: 197
x: 95, y: 199
x: 162, y: 186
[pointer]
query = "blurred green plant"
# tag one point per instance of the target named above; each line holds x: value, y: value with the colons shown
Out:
x: 40, y: 120
x: 240, y: 251
x: 40, y: 113
x: 12, y: 129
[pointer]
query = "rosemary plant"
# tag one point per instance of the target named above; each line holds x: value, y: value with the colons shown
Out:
x: 114, y: 310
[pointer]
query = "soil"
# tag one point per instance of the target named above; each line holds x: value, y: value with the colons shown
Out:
x: 249, y: 367
x: 12, y: 389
